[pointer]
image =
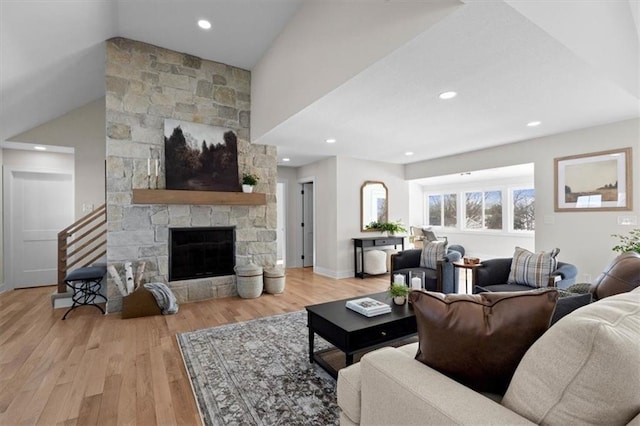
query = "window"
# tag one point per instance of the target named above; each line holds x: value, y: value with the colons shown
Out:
x: 524, y: 214
x: 483, y: 210
x: 473, y: 210
x: 435, y: 210
x: 493, y: 210
x: 509, y: 209
x: 450, y: 210
x: 443, y: 210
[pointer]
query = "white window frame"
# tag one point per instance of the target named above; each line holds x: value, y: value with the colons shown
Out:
x: 507, y: 208
x: 441, y: 194
x: 512, y: 216
x: 483, y: 192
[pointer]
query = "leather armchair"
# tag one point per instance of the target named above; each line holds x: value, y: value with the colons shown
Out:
x: 620, y: 276
x: 493, y: 275
x: 443, y: 279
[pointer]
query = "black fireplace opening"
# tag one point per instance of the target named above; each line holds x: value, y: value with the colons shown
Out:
x: 201, y: 252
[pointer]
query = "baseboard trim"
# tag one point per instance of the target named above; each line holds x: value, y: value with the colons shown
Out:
x: 344, y: 274
x: 3, y: 288
x: 61, y: 300
x: 337, y: 275
x: 324, y: 272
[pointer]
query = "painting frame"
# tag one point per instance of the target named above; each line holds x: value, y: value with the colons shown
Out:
x: 200, y: 157
x: 585, y: 182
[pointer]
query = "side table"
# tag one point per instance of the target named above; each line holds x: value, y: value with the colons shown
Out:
x: 466, y: 267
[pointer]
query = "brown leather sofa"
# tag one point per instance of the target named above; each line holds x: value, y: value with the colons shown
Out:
x: 620, y: 276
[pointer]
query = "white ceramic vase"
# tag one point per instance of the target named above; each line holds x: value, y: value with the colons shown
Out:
x: 399, y: 300
x: 247, y: 188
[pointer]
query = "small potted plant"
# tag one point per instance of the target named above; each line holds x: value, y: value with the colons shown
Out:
x: 387, y: 227
x: 398, y: 293
x: 629, y: 242
x: 249, y: 180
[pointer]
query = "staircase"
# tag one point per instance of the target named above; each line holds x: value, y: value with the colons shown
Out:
x: 82, y: 243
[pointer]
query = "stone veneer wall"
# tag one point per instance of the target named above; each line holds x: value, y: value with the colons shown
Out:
x: 144, y: 85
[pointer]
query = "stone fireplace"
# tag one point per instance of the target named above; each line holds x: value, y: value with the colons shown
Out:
x: 146, y: 85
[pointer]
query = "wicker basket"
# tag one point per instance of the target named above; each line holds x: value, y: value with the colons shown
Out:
x: 274, y: 280
x: 249, y: 280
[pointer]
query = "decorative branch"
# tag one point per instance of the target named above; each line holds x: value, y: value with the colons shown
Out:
x: 128, y: 274
x: 139, y: 272
x: 116, y: 278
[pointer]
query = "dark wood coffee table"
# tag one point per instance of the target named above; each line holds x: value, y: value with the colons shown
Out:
x: 352, y: 332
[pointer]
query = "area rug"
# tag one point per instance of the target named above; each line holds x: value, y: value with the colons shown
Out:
x: 258, y: 373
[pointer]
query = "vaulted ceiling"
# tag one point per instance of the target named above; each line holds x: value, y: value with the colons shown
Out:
x: 567, y: 64
x: 52, y: 56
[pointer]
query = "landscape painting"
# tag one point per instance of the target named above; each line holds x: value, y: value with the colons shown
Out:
x: 598, y: 181
x: 199, y: 157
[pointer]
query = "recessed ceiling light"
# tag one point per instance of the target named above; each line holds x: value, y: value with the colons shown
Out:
x: 448, y: 95
x: 331, y: 141
x: 408, y: 153
x: 204, y: 24
x: 40, y: 148
x: 533, y: 123
x: 286, y: 160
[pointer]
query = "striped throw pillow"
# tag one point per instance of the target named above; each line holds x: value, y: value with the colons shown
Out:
x: 432, y: 252
x: 532, y: 269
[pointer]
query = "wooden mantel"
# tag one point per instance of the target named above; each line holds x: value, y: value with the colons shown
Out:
x: 171, y: 196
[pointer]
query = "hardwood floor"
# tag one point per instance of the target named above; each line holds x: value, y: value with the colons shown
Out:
x: 95, y: 369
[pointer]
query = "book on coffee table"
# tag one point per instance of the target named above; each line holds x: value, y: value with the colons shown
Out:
x: 368, y: 307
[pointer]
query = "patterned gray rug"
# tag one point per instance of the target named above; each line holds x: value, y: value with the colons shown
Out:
x: 258, y: 373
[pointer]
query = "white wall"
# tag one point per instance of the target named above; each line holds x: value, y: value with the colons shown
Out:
x: 583, y: 237
x: 289, y: 176
x: 299, y: 68
x: 2, y: 286
x: 37, y: 160
x: 337, y: 183
x: 84, y: 130
x: 352, y: 173
x: 323, y: 175
x: 416, y: 205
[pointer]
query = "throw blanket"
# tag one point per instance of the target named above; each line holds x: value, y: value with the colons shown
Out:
x: 164, y: 297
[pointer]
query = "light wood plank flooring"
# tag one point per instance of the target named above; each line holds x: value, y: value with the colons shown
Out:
x: 95, y: 369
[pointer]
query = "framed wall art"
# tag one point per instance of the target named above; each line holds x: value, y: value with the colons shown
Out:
x: 599, y: 181
x: 200, y: 157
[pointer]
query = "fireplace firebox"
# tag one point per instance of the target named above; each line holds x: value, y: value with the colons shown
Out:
x: 201, y: 252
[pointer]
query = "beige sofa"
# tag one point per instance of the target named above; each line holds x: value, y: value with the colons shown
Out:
x: 584, y: 370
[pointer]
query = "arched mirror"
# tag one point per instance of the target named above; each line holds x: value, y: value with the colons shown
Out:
x: 374, y: 203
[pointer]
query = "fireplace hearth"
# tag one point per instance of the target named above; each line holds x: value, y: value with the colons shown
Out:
x: 201, y: 252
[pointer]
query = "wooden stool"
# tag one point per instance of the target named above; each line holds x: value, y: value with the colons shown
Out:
x: 85, y: 283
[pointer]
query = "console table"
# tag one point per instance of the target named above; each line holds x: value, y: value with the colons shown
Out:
x: 362, y: 243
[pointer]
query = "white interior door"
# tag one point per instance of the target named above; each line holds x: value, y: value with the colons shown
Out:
x: 281, y: 236
x: 307, y: 222
x: 38, y: 205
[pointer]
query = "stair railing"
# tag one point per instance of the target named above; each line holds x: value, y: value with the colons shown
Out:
x: 82, y: 243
